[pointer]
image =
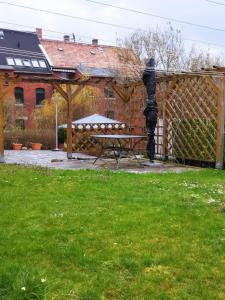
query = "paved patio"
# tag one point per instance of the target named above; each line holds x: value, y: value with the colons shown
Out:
x: 58, y: 160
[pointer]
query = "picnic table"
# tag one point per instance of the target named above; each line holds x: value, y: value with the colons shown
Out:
x: 114, y: 142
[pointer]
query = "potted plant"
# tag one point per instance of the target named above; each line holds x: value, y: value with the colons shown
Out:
x: 16, y: 146
x: 36, y: 146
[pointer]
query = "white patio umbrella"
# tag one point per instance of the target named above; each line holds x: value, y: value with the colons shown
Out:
x: 95, y: 121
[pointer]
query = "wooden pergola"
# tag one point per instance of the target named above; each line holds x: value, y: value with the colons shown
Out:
x: 191, y: 105
x: 65, y: 87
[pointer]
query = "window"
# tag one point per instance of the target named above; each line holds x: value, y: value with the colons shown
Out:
x: 20, y: 123
x: 18, y: 62
x: 26, y: 63
x: 42, y: 64
x: 10, y: 61
x: 35, y: 63
x: 19, y: 97
x: 109, y: 92
x: 110, y: 114
x: 40, y: 96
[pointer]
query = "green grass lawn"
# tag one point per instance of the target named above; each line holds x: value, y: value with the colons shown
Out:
x: 104, y: 235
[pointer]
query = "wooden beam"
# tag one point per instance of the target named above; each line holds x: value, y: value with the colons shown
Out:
x: 165, y: 132
x: 1, y: 125
x: 220, y: 126
x: 120, y: 92
x: 212, y: 83
x: 60, y: 90
x: 130, y: 93
x: 77, y: 91
x: 69, y: 121
x: 4, y: 89
x: 170, y: 87
x: 69, y: 96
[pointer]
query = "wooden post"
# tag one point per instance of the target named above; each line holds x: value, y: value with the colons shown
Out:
x: 165, y: 120
x: 68, y: 95
x: 1, y: 125
x: 6, y: 86
x: 165, y: 132
x: 69, y: 122
x: 220, y: 126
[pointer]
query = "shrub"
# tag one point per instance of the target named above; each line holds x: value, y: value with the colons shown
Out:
x: 26, y: 137
x: 196, y: 134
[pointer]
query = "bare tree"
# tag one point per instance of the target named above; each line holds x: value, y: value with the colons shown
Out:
x: 168, y: 48
x: 197, y: 59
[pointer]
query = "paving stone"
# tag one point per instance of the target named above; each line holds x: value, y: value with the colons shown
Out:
x: 58, y: 160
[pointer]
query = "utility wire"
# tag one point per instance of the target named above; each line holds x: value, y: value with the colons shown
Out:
x: 158, y: 16
x: 54, y: 31
x: 32, y: 27
x: 94, y: 21
x: 108, y: 41
x: 112, y: 24
x: 215, y: 2
x: 68, y: 16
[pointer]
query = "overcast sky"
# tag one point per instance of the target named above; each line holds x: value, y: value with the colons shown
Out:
x: 196, y: 11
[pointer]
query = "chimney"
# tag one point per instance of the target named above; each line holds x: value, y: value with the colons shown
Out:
x: 66, y: 38
x: 39, y: 33
x: 95, y: 42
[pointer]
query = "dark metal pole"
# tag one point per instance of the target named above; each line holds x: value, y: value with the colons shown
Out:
x: 151, y: 110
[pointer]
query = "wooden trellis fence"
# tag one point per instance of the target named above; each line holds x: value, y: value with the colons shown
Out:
x: 191, y: 115
x: 84, y: 143
x: 192, y: 110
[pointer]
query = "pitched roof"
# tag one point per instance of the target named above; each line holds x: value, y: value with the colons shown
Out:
x: 95, y: 59
x: 21, y: 50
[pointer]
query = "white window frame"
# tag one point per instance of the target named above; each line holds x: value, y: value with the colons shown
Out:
x: 18, y: 64
x: 42, y: 64
x: 12, y: 63
x: 25, y: 61
x: 35, y: 63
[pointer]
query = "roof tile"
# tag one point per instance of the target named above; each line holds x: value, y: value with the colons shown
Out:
x: 72, y: 55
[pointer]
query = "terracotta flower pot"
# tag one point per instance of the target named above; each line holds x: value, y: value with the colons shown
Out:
x: 17, y: 146
x: 36, y: 146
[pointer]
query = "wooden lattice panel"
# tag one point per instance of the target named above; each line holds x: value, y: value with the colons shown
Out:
x: 84, y: 143
x: 161, y: 95
x: 190, y: 119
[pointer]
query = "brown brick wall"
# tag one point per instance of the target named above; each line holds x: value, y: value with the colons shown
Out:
x: 29, y: 90
x: 131, y: 113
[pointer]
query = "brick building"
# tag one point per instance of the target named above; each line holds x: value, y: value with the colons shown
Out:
x: 94, y: 60
x: 29, y: 53
x: 21, y: 51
